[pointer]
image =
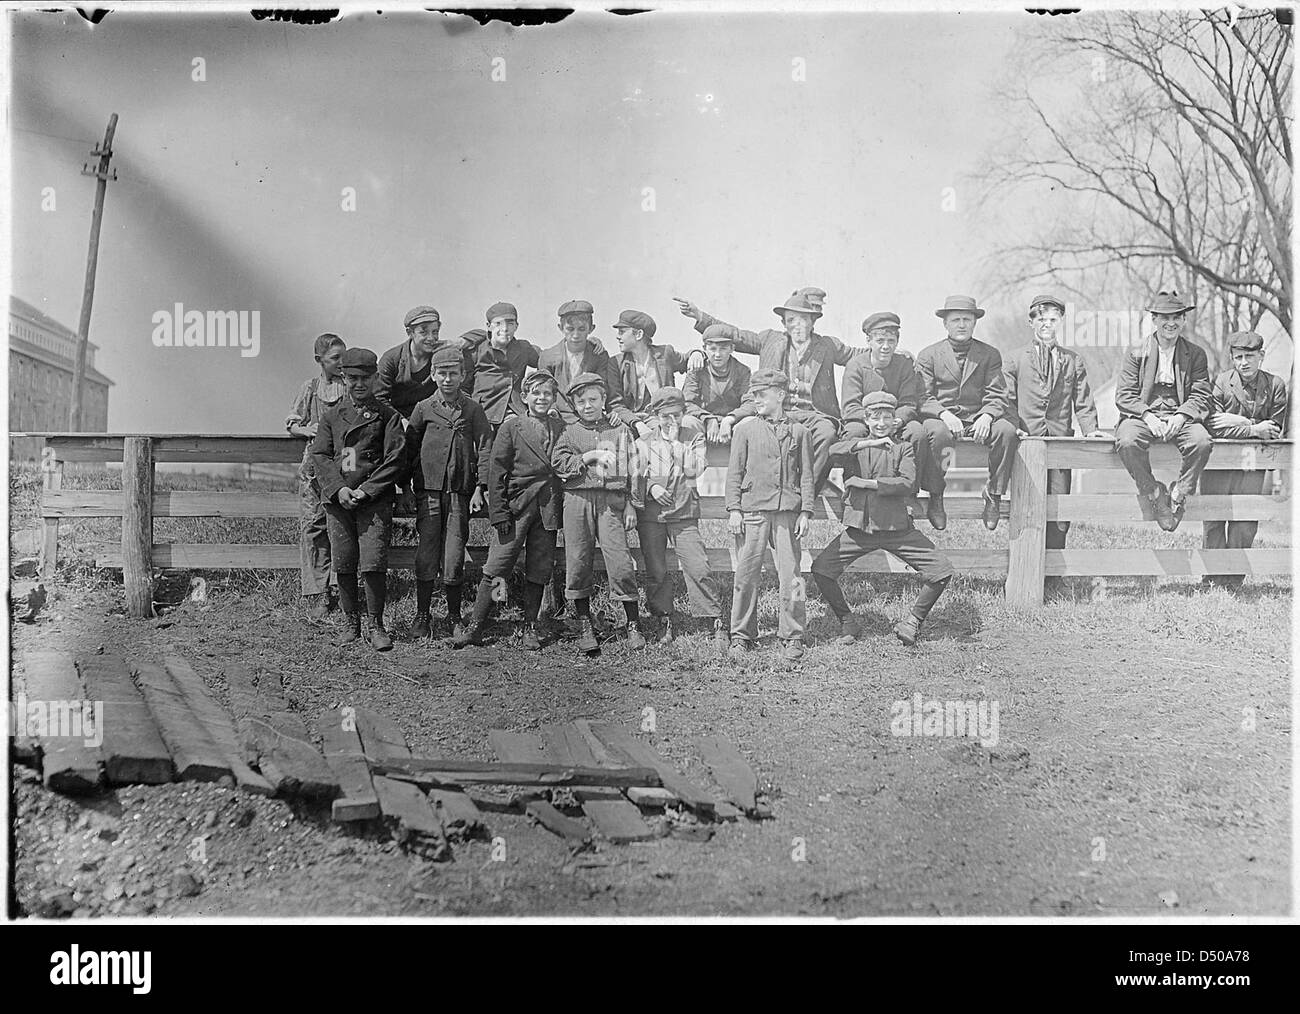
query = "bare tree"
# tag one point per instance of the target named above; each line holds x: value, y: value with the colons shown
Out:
x: 1159, y: 146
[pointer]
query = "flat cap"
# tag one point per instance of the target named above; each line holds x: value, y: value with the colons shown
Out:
x: 1047, y: 300
x: 1247, y: 340
x: 576, y: 306
x: 538, y: 377
x: 444, y: 355
x: 720, y: 333
x: 587, y: 380
x: 667, y: 397
x: 359, y: 359
x: 637, y: 319
x: 883, y: 319
x: 765, y: 376
x: 501, y: 310
x: 419, y: 315
x: 879, y: 399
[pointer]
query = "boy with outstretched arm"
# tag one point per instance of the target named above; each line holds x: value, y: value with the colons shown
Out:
x: 876, y: 517
x: 448, y: 446
x: 669, y: 463
x: 524, y: 497
x: 359, y: 456
x: 593, y: 457
x: 769, y: 502
x: 314, y: 397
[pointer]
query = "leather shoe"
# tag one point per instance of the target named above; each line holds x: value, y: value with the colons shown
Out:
x: 935, y: 513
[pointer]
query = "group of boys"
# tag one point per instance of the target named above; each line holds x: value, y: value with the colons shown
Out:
x: 568, y: 438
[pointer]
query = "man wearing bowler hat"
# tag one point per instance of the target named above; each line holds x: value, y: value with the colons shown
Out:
x: 1163, y: 394
x: 1048, y: 393
x: 807, y: 359
x: 965, y: 396
x: 883, y: 367
x: 1247, y: 403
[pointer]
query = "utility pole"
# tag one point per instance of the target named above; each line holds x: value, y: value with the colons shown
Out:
x: 105, y: 154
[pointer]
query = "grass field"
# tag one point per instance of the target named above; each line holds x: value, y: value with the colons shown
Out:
x: 1141, y: 763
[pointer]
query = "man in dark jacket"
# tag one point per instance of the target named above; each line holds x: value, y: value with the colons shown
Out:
x: 965, y: 396
x: 1163, y: 394
x: 1047, y: 393
x: 1247, y: 403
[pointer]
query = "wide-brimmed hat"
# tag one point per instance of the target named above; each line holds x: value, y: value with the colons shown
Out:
x: 1169, y: 301
x: 963, y: 304
x: 803, y: 301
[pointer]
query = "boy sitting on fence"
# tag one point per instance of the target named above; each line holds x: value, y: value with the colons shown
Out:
x: 593, y: 457
x: 876, y: 517
x: 769, y: 502
x: 448, y: 443
x: 714, y: 391
x: 358, y: 456
x: 497, y: 363
x: 669, y: 462
x: 1247, y: 403
x: 314, y: 397
x: 524, y: 497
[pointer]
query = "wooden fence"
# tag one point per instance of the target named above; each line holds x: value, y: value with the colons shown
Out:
x: 1024, y: 563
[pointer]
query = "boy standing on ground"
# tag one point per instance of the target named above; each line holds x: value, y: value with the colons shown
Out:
x: 876, y: 517
x: 315, y: 396
x: 594, y: 458
x: 669, y: 462
x: 524, y: 497
x: 358, y: 455
x: 769, y: 503
x: 448, y: 447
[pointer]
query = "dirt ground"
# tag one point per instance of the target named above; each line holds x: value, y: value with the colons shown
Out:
x: 1141, y: 765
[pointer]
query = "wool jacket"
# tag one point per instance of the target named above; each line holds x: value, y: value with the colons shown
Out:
x: 1137, y: 377
x: 495, y: 377
x: 1265, y: 398
x: 770, y: 468
x: 976, y: 388
x: 594, y: 360
x: 578, y: 438
x: 707, y: 395
x: 1049, y: 411
x: 360, y: 446
x: 677, y: 466
x: 448, y: 445
x: 521, y: 471
x: 899, y: 378
x: 883, y: 509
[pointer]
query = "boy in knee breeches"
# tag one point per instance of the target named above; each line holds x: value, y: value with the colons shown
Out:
x: 876, y: 517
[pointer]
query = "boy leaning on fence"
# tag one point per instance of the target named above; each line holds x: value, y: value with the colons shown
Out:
x: 669, y: 462
x: 524, y: 498
x: 593, y: 457
x: 769, y: 502
x: 448, y: 445
x: 876, y: 517
x: 314, y: 397
x: 359, y: 456
x: 1247, y: 403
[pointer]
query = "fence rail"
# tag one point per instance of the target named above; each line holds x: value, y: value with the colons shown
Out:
x: 1025, y: 562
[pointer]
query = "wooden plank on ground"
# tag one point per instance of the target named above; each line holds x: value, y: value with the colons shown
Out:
x: 730, y: 770
x: 691, y: 794
x: 553, y: 820
x: 528, y: 748
x: 615, y: 818
x: 68, y: 763
x: 650, y: 797
x: 383, y: 741
x: 341, y: 745
x: 217, y: 722
x: 285, y: 753
x: 133, y: 748
x: 406, y: 804
x: 195, y: 754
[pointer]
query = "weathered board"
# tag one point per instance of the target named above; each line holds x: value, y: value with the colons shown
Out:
x: 217, y: 722
x: 133, y: 749
x: 615, y: 818
x: 195, y: 754
x: 342, y: 748
x: 691, y: 794
x: 277, y: 737
x: 55, y: 693
x: 730, y: 770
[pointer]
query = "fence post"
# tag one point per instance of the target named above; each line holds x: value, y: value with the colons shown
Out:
x: 51, y: 479
x: 1027, y: 565
x: 137, y: 525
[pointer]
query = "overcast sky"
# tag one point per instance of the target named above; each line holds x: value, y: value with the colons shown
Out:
x: 470, y: 190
